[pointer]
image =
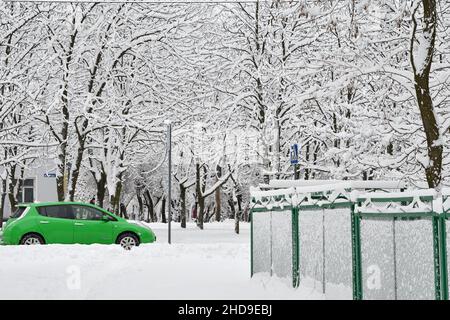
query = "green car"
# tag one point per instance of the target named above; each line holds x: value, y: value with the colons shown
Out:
x: 72, y: 222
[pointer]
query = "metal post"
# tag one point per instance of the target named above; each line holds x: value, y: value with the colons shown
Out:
x: 323, y: 252
x: 356, y: 254
x: 295, y: 248
x: 169, y: 180
x: 251, y: 242
x: 443, y: 256
x: 437, y: 259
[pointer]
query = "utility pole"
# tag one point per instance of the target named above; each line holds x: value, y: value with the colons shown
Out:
x: 169, y: 180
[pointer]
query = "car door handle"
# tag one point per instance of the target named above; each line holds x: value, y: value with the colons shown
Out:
x: 79, y: 224
x: 44, y: 222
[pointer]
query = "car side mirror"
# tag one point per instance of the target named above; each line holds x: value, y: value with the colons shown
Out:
x: 106, y: 218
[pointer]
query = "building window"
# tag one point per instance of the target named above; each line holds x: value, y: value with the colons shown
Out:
x: 26, y: 194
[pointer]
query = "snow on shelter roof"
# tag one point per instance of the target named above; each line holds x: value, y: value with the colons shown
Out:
x: 398, y: 195
x: 446, y: 200
x: 446, y: 191
x: 351, y: 184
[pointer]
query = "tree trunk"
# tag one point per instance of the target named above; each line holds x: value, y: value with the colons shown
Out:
x: 195, y: 210
x: 61, y: 177
x: 422, y: 69
x: 201, y: 212
x: 2, y: 202
x: 149, y: 204
x: 183, y: 205
x: 239, y: 211
x: 64, y: 133
x: 140, y: 204
x: 123, y: 211
x: 231, y: 204
x: 307, y: 156
x: 208, y: 211
x: 200, y: 199
x: 11, y: 187
x: 115, y: 199
x: 217, y: 211
x: 76, y: 171
x: 163, y: 210
x: 20, y: 186
x: 235, y: 214
x: 101, y: 189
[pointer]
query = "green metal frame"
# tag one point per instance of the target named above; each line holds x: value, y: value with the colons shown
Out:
x: 443, y: 251
x: 356, y: 255
x: 443, y: 256
x: 440, y: 265
x: 437, y: 259
x: 295, y: 249
x: 295, y: 239
x: 356, y: 271
x: 251, y: 242
x: 438, y: 225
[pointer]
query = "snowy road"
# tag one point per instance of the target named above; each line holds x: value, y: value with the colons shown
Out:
x: 209, y: 264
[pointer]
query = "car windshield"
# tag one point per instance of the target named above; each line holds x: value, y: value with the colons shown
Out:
x: 18, y: 212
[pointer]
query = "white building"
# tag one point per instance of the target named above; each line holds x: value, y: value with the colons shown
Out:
x: 39, y: 184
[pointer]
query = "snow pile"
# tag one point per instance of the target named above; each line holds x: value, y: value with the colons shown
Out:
x: 209, y: 264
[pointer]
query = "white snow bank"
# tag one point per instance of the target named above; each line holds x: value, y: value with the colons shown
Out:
x: 209, y: 264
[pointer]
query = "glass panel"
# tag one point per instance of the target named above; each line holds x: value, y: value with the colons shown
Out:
x: 403, y: 270
x: 261, y: 242
x: 311, y: 248
x: 415, y: 267
x: 338, y: 253
x: 282, y: 244
x: 377, y: 259
x: 272, y: 243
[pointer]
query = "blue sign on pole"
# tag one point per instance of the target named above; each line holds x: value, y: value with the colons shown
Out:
x: 294, y: 154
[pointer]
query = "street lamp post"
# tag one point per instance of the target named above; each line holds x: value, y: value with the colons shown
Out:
x: 169, y: 180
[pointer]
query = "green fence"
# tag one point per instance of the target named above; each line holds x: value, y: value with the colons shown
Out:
x: 444, y: 241
x: 399, y: 246
x: 274, y: 242
x: 351, y: 244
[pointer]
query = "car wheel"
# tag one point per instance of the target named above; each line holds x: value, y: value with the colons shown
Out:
x: 32, y: 239
x: 128, y: 241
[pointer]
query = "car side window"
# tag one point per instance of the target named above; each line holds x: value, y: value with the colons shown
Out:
x: 62, y: 212
x: 87, y: 213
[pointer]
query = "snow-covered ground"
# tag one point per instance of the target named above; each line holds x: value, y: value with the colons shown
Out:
x: 209, y: 264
